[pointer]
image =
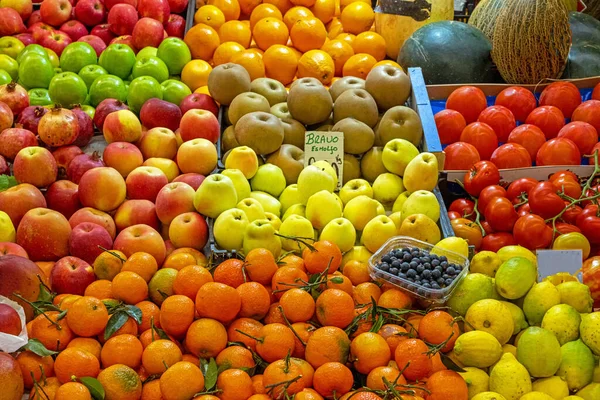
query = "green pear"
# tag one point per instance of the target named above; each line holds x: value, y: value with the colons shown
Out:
x: 313, y: 179
x: 269, y: 178
x: 215, y: 195
x: 261, y: 234
x: 327, y: 168
x: 242, y: 187
x: 321, y: 208
x: 386, y: 188
x: 269, y: 203
x: 229, y: 228
x: 296, y: 209
x: 289, y: 197
x: 273, y: 219
x: 341, y: 232
x: 422, y: 202
x: 355, y: 188
x: 399, y: 202
x: 421, y: 173
x: 378, y: 231
x: 295, y: 226
x: 252, y: 208
x: 361, y: 210
x: 396, y: 155
x: 420, y: 227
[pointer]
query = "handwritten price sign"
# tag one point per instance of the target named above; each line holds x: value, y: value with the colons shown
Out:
x: 325, y: 146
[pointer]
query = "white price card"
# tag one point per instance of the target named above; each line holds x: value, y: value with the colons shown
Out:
x: 325, y: 146
x: 551, y: 262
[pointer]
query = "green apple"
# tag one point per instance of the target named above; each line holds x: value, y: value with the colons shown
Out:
x: 273, y: 220
x: 5, y: 77
x: 127, y: 83
x: 397, y: 153
x: 261, y: 234
x: 378, y: 231
x: 421, y: 202
x: 39, y: 97
x: 327, y: 168
x: 31, y: 49
x: 10, y: 65
x: 421, y: 173
x: 107, y: 87
x: 174, y: 91
x: 269, y: 203
x: 321, y: 208
x: 299, y: 227
x: 341, y: 232
x: 252, y: 208
x: 361, y: 210
x: 35, y: 72
x: 289, y: 197
x: 269, y: 178
x: 399, y: 202
x: 67, y: 89
x: 89, y: 73
x: 386, y: 189
x: 89, y: 110
x: 420, y: 227
x: 215, y: 195
x: 355, y: 188
x: 142, y: 89
x: 118, y: 59
x: 11, y: 46
x: 150, y: 66
x: 175, y: 53
x: 146, y: 52
x: 229, y: 228
x: 313, y: 179
x: 58, y: 71
x: 54, y: 60
x: 242, y: 187
x: 76, y: 56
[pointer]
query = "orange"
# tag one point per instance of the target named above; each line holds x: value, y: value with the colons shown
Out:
x: 191, y: 358
x: 324, y: 10
x: 364, y: 292
x: 179, y: 260
x: 122, y: 349
x: 292, y: 260
x: 346, y: 37
x: 218, y: 301
x: 77, y: 363
x: 388, y: 62
x: 225, y: 52
x: 176, y: 315
x: 151, y: 391
x: 394, y: 298
x: 298, y: 305
x: 308, y: 371
x: 308, y: 394
x: 256, y: 50
x: 303, y: 3
x: 54, y: 335
x: 72, y: 391
x: 159, y: 353
x: 150, y: 311
x: 198, y: 255
x: 236, y: 357
x: 282, y: 5
x: 334, y: 28
x: 447, y: 385
x: 344, y: 285
x: 255, y: 300
x: 287, y: 278
x: 357, y: 272
x: 130, y: 287
x: 230, y: 8
x: 88, y: 344
x: 248, y: 326
x: 248, y: 6
x: 129, y: 328
x: 181, y: 381
x: 411, y: 357
x: 304, y: 331
x: 264, y: 11
x: 269, y: 31
x: 275, y: 341
x: 325, y: 254
x: 340, y: 52
x: 87, y: 316
x: 260, y: 265
x: 195, y: 74
x: 359, y: 65
x: 46, y: 267
x: 344, y: 3
x: 308, y: 33
x: 46, y: 391
x: 335, y: 308
x: 190, y: 279
x: 259, y: 397
x: 202, y: 40
x: 257, y: 384
x: 369, y: 350
x: 66, y: 302
x: 281, y: 64
x: 252, y: 62
x: 357, y: 17
x: 274, y: 315
x: 234, y: 384
x: 236, y: 31
x: 230, y: 272
x: 32, y: 363
x: 437, y: 364
x: 108, y: 264
x: 370, y: 43
x: 209, y: 15
x: 141, y: 263
x: 295, y: 14
x: 375, y: 378
x: 436, y: 327
x: 393, y: 335
x: 120, y: 382
x: 278, y: 379
x: 206, y: 338
x: 333, y: 379
x: 327, y: 344
x: 101, y: 289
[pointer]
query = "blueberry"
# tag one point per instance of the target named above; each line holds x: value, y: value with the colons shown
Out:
x: 426, y: 274
x: 413, y: 264
x: 401, y: 275
x: 440, y: 281
x: 435, y: 274
x: 404, y: 266
x: 386, y: 258
x: 384, y: 266
x: 426, y: 285
x: 427, y: 266
x: 411, y: 279
x: 415, y: 254
x: 443, y: 258
x: 420, y: 268
x: 445, y: 276
x: 435, y: 286
x: 406, y: 257
x: 425, y: 259
x: 434, y: 256
x: 451, y: 271
x: 458, y: 267
x: 411, y: 273
x: 444, y: 264
x: 405, y: 249
x: 449, y: 281
x: 415, y: 249
x: 417, y: 281
x: 435, y: 262
x: 394, y: 271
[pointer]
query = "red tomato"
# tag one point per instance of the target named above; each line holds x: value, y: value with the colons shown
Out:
x: 496, y: 241
x: 519, y: 187
x: 532, y: 232
x: 588, y: 112
x: 500, y: 214
x: 596, y: 92
x: 582, y: 134
x: 486, y: 227
x: 511, y: 155
x: 518, y: 100
x: 544, y: 201
x: 591, y: 277
x: 450, y: 125
x: 548, y: 118
x: 524, y: 210
x: 460, y: 156
x: 482, y: 136
x: 453, y: 215
x: 529, y: 136
x: 589, y: 210
x: 464, y: 207
x: 480, y: 175
x: 468, y: 230
x: 569, y: 186
x: 559, y: 151
x: 571, y: 214
x: 594, y: 149
x: 501, y: 119
x: 469, y: 101
x: 487, y: 195
x: 563, y: 95
x: 563, y: 174
x: 590, y: 228
x: 563, y: 227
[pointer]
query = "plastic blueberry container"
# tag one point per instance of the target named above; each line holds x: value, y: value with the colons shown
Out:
x: 429, y: 296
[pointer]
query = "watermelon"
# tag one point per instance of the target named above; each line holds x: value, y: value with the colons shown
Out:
x: 585, y: 28
x: 584, y: 56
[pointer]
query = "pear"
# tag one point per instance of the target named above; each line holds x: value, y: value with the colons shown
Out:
x: 296, y: 209
x: 313, y: 179
x: 420, y: 227
x: 351, y: 168
x: 341, y: 232
x: 509, y: 378
x: 399, y: 202
x: 215, y: 195
x: 261, y: 234
x: 421, y: 173
x: 378, y: 231
x: 269, y: 203
x: 252, y: 208
x: 329, y: 169
x: 396, y: 155
x: 355, y: 188
x: 242, y: 187
x: 321, y: 208
x: 386, y: 188
x: 289, y: 197
x: 422, y: 202
x: 273, y: 219
x: 295, y: 226
x: 269, y: 178
x: 361, y: 210
x: 229, y: 228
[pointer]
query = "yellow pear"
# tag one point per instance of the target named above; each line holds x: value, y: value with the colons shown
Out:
x: 400, y: 200
x: 422, y: 202
x: 421, y: 173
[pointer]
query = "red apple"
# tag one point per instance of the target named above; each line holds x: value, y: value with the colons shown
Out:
x: 63, y: 196
x: 35, y: 165
x: 175, y: 26
x: 44, y: 234
x: 90, y: 12
x: 123, y: 156
x: 17, y: 200
x: 10, y: 321
x: 189, y: 230
x: 141, y: 238
x: 71, y: 275
x: 197, y: 124
x: 6, y: 116
x: 4, y: 168
x: 25, y: 38
x: 56, y: 41
x: 56, y: 12
x: 22, y: 276
x: 125, y: 39
x: 134, y: 212
x: 158, y: 142
x: 111, y: 3
x: 85, y: 133
x: 178, y: 6
x: 63, y: 156
x: 88, y: 214
x: 74, y: 29
x: 147, y: 32
x: 103, y: 32
x: 122, y: 18
x: 82, y: 163
x: 7, y: 248
x: 30, y: 117
x: 174, y: 199
x: 36, y: 16
x: 160, y: 113
x: 40, y: 29
x: 106, y: 107
x: 199, y: 101
x: 145, y: 183
x: 11, y: 22
x: 192, y: 179
x: 156, y: 9
x: 102, y: 188
x: 94, y: 41
x: 87, y: 239
x: 13, y: 140
x: 23, y: 7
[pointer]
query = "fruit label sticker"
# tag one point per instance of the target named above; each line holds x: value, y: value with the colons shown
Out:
x: 551, y: 262
x: 325, y: 146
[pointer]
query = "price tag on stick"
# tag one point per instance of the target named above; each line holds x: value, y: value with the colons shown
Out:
x: 325, y: 146
x: 551, y: 262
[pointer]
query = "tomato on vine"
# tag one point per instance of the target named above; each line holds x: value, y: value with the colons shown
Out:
x: 520, y: 187
x: 479, y: 176
x: 501, y: 214
x: 544, y: 201
x: 496, y: 241
x: 488, y: 194
x: 531, y: 232
x: 468, y: 230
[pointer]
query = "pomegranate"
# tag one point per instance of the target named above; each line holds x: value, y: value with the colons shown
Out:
x: 105, y: 107
x: 11, y: 22
x: 58, y: 127
x: 15, y: 96
x: 30, y: 117
x: 86, y: 127
x: 81, y: 164
x: 6, y: 116
x: 4, y: 168
x: 12, y: 140
x: 63, y: 156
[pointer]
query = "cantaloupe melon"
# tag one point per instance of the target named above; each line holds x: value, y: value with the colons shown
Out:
x: 484, y: 16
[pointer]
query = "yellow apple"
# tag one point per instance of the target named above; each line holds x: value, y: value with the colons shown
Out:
x: 242, y: 187
x: 261, y: 234
x: 229, y: 228
x: 296, y: 209
x: 269, y: 203
x: 321, y: 208
x: 355, y: 188
x: 289, y: 197
x: 378, y: 231
x: 7, y: 229
x: 341, y: 232
x: 252, y: 208
x: 360, y: 210
x: 422, y: 202
x: 295, y: 226
x: 420, y: 227
x: 421, y: 173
